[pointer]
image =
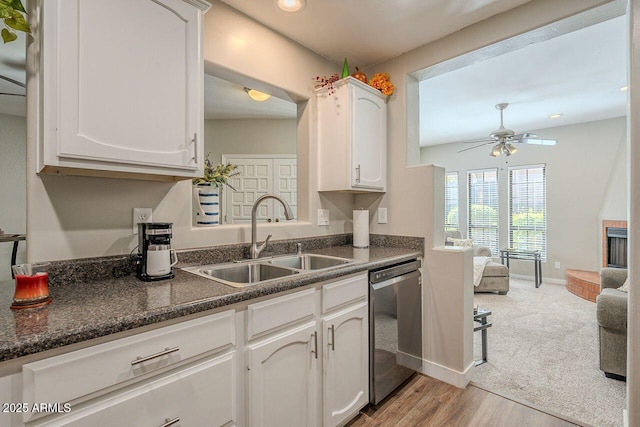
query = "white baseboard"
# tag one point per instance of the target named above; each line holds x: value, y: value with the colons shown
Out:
x: 544, y: 279
x: 448, y: 375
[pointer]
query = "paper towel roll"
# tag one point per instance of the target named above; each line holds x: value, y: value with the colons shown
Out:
x: 361, y: 229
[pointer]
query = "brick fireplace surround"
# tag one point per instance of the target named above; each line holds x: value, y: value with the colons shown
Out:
x: 586, y: 284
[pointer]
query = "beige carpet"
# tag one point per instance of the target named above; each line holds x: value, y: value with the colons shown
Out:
x: 543, y: 349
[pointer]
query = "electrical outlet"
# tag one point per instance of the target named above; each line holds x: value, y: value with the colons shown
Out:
x: 141, y: 215
x: 382, y: 215
x: 323, y: 216
x: 557, y: 264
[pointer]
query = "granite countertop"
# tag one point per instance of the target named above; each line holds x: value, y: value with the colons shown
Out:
x: 96, y: 308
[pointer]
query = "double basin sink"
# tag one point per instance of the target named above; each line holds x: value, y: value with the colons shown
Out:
x: 246, y: 273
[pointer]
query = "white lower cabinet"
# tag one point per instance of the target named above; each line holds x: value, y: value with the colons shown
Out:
x: 312, y: 371
x: 282, y: 377
x: 201, y: 395
x: 346, y: 364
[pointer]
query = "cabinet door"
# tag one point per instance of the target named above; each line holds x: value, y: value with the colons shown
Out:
x: 123, y: 84
x: 346, y: 364
x: 282, y: 379
x: 368, y: 139
x: 202, y: 395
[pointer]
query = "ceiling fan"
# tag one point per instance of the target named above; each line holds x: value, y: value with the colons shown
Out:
x: 504, y: 138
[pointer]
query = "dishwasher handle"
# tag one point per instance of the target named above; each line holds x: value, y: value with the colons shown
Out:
x: 393, y: 281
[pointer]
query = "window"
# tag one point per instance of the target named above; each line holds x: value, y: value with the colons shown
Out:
x: 483, y: 208
x: 451, y: 201
x: 528, y: 209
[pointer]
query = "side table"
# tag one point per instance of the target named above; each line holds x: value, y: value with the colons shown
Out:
x: 535, y: 256
x: 480, y: 316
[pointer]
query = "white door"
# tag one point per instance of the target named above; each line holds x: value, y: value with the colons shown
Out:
x: 282, y: 379
x: 346, y: 364
x: 285, y: 184
x: 259, y: 175
x: 129, y: 93
x: 368, y: 139
x: 255, y: 178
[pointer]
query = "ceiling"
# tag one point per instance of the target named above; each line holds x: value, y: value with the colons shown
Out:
x: 227, y: 100
x: 578, y: 75
x: 372, y: 31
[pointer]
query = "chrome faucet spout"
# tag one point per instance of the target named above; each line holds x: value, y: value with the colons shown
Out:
x: 255, y: 250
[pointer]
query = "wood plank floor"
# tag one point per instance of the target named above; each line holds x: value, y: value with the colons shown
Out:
x: 425, y: 401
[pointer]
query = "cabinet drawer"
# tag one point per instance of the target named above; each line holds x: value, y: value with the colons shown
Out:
x: 201, y: 395
x: 276, y: 313
x: 70, y: 376
x: 345, y: 291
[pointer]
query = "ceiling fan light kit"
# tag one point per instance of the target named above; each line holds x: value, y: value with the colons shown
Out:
x: 504, y: 138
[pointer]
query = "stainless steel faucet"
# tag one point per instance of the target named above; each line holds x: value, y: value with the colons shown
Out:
x: 254, y: 251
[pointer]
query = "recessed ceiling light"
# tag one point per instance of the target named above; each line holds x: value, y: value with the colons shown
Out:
x: 555, y: 116
x: 291, y: 5
x: 623, y: 88
x: 256, y: 95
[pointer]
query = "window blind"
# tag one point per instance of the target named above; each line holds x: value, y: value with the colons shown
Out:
x: 482, y: 187
x: 451, y: 201
x: 528, y: 209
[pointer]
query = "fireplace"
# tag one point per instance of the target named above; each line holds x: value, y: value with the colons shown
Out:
x: 614, y: 244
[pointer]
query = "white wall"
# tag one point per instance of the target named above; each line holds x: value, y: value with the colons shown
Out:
x: 585, y: 177
x: 79, y: 217
x: 13, y: 187
x: 249, y: 136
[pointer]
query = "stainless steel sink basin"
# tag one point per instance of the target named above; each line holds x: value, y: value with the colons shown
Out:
x: 241, y: 275
x: 308, y: 261
x: 252, y: 272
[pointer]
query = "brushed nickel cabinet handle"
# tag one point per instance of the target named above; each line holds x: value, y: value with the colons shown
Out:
x: 315, y: 344
x: 164, y: 352
x: 195, y: 148
x: 358, y: 174
x: 333, y: 337
x: 169, y: 422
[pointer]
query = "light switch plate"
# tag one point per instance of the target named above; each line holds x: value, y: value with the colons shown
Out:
x: 323, y: 217
x: 141, y: 215
x: 382, y: 215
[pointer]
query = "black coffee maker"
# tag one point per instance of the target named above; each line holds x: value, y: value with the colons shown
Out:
x: 155, y: 256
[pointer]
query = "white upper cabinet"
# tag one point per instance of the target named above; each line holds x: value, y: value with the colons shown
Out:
x: 122, y: 88
x: 352, y: 138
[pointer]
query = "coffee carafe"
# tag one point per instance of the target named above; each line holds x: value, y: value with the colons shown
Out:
x: 155, y: 256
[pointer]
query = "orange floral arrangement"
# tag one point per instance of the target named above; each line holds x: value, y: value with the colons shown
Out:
x: 381, y: 82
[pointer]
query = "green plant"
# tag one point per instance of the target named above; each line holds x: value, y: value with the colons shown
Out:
x: 218, y: 175
x: 11, y: 12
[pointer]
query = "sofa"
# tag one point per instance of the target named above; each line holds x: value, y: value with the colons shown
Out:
x: 611, y: 311
x: 495, y: 277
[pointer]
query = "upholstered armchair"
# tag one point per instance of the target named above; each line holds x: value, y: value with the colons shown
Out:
x: 611, y: 311
x: 495, y: 277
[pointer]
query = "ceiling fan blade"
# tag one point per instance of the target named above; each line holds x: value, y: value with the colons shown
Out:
x: 476, y: 146
x: 532, y: 138
x: 535, y: 141
x: 486, y: 139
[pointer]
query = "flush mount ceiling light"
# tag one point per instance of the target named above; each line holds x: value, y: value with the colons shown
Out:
x: 256, y: 95
x: 623, y: 88
x: 555, y: 116
x: 290, y: 5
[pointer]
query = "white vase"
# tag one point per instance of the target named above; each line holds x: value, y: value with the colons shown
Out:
x: 207, y: 197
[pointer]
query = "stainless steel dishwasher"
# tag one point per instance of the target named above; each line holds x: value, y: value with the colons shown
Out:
x: 395, y: 327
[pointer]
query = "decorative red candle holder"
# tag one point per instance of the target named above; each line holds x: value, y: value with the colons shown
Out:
x: 32, y: 285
